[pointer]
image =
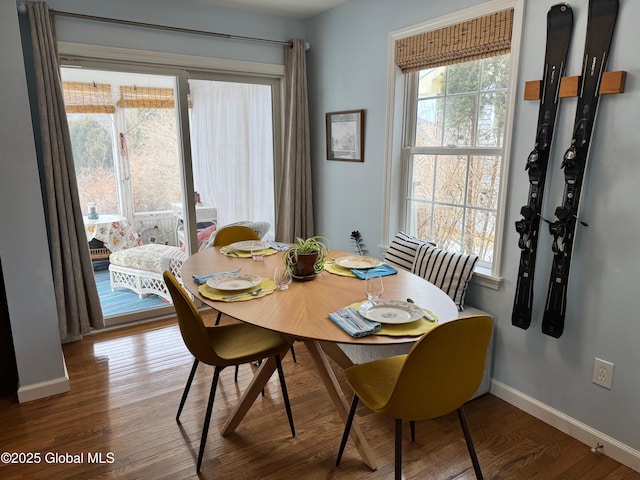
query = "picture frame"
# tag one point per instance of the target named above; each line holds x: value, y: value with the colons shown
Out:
x: 345, y: 135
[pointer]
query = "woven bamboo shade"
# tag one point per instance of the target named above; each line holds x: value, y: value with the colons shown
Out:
x: 83, y: 97
x: 474, y: 39
x: 145, y: 97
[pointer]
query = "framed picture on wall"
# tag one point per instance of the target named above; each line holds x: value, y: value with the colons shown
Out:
x: 345, y: 135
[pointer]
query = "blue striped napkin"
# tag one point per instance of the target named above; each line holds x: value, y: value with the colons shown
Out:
x: 200, y: 279
x: 281, y: 247
x: 379, y: 271
x: 354, y: 324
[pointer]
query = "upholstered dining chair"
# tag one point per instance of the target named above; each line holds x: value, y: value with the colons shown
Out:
x: 234, y: 233
x: 228, y: 235
x: 223, y: 346
x: 438, y: 375
x: 237, y: 233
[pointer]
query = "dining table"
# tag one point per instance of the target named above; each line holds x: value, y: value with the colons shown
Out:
x: 302, y: 312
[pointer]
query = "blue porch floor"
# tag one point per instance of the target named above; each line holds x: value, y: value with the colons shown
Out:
x: 122, y: 301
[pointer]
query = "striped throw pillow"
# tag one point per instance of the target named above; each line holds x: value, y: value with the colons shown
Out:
x: 402, y: 251
x: 448, y: 271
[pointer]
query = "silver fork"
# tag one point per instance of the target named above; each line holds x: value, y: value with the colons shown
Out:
x: 253, y: 293
x: 344, y: 313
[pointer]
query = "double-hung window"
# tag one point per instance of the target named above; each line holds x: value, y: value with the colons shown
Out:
x: 457, y: 107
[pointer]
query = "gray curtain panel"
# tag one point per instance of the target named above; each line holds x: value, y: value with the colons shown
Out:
x: 294, y: 192
x: 74, y: 284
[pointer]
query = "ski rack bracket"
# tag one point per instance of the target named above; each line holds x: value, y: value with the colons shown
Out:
x: 612, y: 83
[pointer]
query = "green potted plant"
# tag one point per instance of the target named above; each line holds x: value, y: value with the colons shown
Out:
x: 307, y: 256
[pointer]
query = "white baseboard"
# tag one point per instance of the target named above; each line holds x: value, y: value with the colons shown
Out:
x: 584, y: 433
x: 36, y: 391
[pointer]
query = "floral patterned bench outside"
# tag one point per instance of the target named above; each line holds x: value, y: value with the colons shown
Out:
x: 140, y: 268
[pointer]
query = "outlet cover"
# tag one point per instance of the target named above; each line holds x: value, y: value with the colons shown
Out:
x: 602, y: 373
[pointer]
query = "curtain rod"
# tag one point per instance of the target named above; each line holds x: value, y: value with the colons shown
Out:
x: 166, y: 27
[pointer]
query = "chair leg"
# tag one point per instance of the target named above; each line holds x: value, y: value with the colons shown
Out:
x: 293, y: 354
x: 398, y: 455
x: 287, y: 404
x: 258, y: 363
x: 186, y: 388
x: 347, y: 428
x: 207, y: 417
x: 467, y: 437
x: 412, y: 424
x: 235, y: 376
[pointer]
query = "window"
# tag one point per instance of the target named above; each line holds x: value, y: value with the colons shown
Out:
x: 458, y: 91
x: 124, y: 136
x: 91, y: 141
x: 454, y: 154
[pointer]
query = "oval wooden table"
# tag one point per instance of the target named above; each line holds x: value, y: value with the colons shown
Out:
x: 301, y: 311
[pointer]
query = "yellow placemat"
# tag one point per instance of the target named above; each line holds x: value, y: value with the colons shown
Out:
x: 419, y: 327
x: 331, y: 267
x: 230, y: 252
x: 268, y: 286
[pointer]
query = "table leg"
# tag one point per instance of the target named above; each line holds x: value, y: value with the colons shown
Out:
x: 260, y: 379
x: 335, y: 392
x: 336, y: 354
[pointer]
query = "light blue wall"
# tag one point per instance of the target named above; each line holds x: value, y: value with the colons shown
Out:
x: 190, y: 14
x: 347, y: 70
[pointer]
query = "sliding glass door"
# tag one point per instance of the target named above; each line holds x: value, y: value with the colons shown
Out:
x: 143, y: 162
x: 126, y: 139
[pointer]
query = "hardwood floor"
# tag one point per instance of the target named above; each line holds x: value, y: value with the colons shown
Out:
x: 125, y: 389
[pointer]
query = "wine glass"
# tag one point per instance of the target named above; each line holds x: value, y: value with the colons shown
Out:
x: 257, y: 251
x: 282, y: 278
x: 373, y: 288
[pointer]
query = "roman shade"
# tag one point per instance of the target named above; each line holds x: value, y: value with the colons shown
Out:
x: 87, y: 97
x: 145, y: 97
x: 482, y: 37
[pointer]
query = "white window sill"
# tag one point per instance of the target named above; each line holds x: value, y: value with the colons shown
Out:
x: 483, y: 276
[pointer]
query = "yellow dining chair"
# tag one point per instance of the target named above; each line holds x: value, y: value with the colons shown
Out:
x: 234, y: 233
x: 237, y: 233
x: 438, y: 375
x: 223, y: 346
x: 228, y: 235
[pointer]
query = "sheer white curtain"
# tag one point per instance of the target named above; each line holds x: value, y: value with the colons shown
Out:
x: 232, y: 148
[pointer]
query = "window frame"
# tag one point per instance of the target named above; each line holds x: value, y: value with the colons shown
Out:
x: 411, y: 150
x: 396, y: 173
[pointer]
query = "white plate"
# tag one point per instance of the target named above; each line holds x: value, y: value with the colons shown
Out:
x: 391, y: 311
x: 245, y: 245
x: 357, y: 261
x: 234, y: 281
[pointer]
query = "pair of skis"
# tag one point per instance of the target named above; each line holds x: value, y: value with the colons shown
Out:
x: 601, y: 22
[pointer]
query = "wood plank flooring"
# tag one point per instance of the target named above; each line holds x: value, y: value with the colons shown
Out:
x: 125, y: 389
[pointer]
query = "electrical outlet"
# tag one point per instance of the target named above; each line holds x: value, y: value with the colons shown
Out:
x: 602, y: 373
